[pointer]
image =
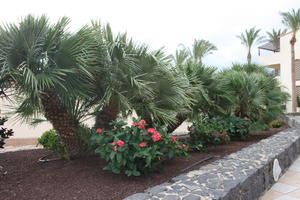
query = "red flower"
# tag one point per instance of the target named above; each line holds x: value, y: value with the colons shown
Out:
x: 134, y: 124
x: 120, y: 143
x: 142, y: 144
x: 142, y: 122
x: 177, y: 146
x: 115, y: 148
x: 151, y: 130
x: 173, y: 138
x: 99, y: 130
x: 156, y: 137
x: 214, y: 134
x: 246, y: 118
x: 141, y: 126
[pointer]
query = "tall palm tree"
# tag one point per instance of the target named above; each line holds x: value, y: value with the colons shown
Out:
x: 201, y: 48
x: 292, y: 21
x: 47, y: 66
x: 249, y: 38
x: 273, y: 36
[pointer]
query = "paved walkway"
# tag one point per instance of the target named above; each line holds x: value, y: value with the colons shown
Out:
x: 288, y: 186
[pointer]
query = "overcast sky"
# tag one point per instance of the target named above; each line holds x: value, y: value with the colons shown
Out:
x: 167, y: 22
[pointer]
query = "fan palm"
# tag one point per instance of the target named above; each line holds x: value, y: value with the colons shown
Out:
x: 47, y: 67
x: 292, y: 21
x: 257, y: 94
x: 135, y: 79
x: 249, y: 38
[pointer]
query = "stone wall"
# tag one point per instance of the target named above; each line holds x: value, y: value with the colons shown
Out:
x: 244, y: 175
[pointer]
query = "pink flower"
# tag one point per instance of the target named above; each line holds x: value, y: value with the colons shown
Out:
x: 99, y: 130
x: 183, y: 146
x: 115, y: 148
x: 156, y: 137
x: 151, y: 130
x: 173, y: 138
x: 142, y: 122
x: 142, y: 144
x: 141, y: 126
x: 134, y: 124
x: 120, y: 143
x: 246, y: 118
x: 113, y: 143
x: 177, y: 146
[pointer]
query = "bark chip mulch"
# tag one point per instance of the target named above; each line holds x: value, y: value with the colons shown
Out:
x: 23, y: 178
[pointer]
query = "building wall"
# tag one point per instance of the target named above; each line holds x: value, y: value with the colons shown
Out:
x: 282, y: 59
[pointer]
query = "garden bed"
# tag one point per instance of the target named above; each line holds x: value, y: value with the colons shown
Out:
x: 22, y: 177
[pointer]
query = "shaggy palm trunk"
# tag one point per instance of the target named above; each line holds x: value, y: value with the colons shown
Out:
x: 249, y: 57
x: 108, y: 113
x: 179, y: 120
x: 293, y: 74
x: 57, y: 114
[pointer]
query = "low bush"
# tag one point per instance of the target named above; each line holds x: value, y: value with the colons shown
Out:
x: 50, y: 141
x: 4, y: 132
x: 236, y: 127
x: 135, y: 150
x: 276, y: 123
x: 206, y: 133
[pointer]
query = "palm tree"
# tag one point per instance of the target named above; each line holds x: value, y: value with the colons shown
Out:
x: 47, y: 66
x: 273, y: 36
x: 135, y: 79
x: 200, y: 49
x: 292, y: 21
x: 249, y: 38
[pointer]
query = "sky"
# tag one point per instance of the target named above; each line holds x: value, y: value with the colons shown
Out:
x: 167, y: 23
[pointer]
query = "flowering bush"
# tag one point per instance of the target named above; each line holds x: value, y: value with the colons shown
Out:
x: 134, y: 150
x: 206, y: 133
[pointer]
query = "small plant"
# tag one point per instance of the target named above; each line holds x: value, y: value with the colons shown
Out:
x: 134, y: 150
x: 50, y: 141
x: 276, y: 123
x: 236, y: 127
x: 207, y: 132
x: 4, y: 132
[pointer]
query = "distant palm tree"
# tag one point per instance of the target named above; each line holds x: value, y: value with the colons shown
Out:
x: 200, y: 49
x: 273, y: 36
x: 249, y: 38
x: 292, y: 21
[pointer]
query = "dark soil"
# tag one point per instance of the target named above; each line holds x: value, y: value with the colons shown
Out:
x: 23, y: 177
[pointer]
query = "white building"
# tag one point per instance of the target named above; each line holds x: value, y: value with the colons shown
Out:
x: 279, y: 59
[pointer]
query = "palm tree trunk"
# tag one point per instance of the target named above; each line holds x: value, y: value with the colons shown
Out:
x: 57, y: 114
x: 108, y: 113
x: 179, y: 120
x: 293, y: 74
x: 249, y: 57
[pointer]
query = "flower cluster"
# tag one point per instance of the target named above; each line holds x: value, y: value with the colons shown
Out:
x: 119, y: 143
x: 141, y: 124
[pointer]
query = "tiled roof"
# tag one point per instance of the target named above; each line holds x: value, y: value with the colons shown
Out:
x: 270, y: 46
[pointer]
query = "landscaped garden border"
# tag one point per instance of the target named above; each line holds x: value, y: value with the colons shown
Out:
x: 246, y: 174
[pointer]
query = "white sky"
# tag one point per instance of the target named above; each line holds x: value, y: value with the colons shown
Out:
x: 167, y: 22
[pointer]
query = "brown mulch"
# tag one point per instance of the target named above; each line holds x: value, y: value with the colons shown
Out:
x: 23, y: 177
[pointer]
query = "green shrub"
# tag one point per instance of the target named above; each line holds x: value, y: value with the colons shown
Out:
x: 276, y: 123
x: 206, y: 133
x: 134, y: 150
x: 50, y: 141
x: 4, y: 132
x: 258, y: 126
x: 236, y: 127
